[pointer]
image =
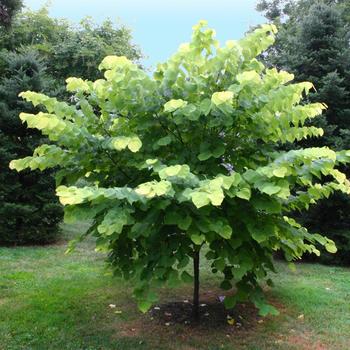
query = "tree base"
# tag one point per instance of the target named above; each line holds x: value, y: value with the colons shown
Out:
x: 211, y: 314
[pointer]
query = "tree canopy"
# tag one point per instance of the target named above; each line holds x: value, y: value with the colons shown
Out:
x: 189, y: 160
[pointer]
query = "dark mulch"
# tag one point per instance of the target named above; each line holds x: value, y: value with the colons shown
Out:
x: 213, y: 314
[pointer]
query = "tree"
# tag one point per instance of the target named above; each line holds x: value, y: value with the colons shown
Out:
x: 187, y: 161
x: 275, y: 9
x: 282, y: 11
x: 314, y: 44
x: 8, y: 8
x: 67, y: 49
x: 29, y: 212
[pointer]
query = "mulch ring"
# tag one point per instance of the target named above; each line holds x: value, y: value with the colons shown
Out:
x: 213, y: 314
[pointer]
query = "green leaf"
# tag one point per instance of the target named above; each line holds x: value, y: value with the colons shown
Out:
x: 219, y: 98
x: 220, y: 264
x: 244, y: 193
x: 331, y: 248
x: 173, y: 170
x: 261, y: 232
x: 144, y: 305
x: 218, y: 151
x: 267, y: 204
x: 120, y: 143
x: 216, y: 197
x: 114, y: 62
x: 186, y: 277
x: 280, y: 172
x: 134, y: 144
x: 154, y: 189
x: 183, y: 262
x: 204, y: 156
x: 225, y: 232
x: 200, y: 199
x: 269, y: 189
x: 197, y: 239
x: 173, y: 105
x: 205, y: 106
x: 77, y: 84
x: 248, y: 77
x: 185, y: 222
x: 114, y: 222
x: 164, y: 141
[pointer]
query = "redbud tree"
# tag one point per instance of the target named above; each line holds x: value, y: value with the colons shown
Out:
x: 187, y: 163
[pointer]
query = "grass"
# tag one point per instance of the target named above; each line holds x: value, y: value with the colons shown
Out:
x: 49, y: 300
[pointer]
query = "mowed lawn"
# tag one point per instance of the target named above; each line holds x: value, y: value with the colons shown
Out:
x: 49, y: 300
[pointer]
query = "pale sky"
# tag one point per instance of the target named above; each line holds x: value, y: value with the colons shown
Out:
x: 160, y: 26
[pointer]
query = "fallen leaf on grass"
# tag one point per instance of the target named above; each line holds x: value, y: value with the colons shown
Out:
x: 230, y: 320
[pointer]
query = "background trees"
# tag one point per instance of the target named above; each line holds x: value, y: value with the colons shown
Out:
x: 313, y: 43
x: 38, y: 53
x: 68, y: 50
x: 29, y: 212
x: 8, y: 8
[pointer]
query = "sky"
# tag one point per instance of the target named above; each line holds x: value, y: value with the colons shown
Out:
x: 160, y: 26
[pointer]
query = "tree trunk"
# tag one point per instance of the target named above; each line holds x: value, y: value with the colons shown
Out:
x: 196, y: 286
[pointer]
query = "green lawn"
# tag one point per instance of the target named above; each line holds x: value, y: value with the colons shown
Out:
x: 49, y: 300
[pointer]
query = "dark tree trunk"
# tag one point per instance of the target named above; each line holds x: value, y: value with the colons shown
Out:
x: 196, y: 286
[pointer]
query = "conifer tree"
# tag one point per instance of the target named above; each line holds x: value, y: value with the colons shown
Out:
x: 313, y: 43
x: 8, y: 8
x: 29, y: 211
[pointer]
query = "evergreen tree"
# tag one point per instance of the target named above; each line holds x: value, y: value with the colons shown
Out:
x: 8, y: 9
x: 313, y: 43
x: 29, y: 211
